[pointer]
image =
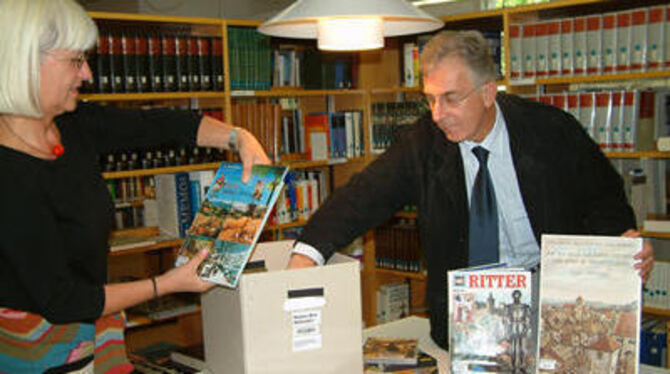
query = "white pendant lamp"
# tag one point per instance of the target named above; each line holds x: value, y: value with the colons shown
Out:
x: 349, y: 25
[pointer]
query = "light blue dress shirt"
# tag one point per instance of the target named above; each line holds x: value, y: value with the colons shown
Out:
x: 518, y: 246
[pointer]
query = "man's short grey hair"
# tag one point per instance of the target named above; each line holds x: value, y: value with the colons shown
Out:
x: 29, y: 29
x: 470, y: 46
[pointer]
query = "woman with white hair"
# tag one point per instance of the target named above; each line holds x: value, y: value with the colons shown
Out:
x: 56, y: 212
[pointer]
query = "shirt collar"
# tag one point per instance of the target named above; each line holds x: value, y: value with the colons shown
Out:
x: 493, y: 140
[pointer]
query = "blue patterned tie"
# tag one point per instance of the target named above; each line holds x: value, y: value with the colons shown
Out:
x: 483, y: 215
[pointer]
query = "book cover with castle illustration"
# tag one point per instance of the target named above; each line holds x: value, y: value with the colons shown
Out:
x: 590, y: 303
x: 490, y: 323
x: 230, y: 220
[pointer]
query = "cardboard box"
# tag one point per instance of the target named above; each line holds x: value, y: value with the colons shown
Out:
x: 286, y: 321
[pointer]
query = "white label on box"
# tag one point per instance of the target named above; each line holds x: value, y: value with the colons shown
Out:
x: 304, y: 303
x: 308, y: 343
x: 306, y: 330
x: 306, y: 317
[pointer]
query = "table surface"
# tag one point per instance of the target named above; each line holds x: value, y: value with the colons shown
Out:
x: 419, y: 328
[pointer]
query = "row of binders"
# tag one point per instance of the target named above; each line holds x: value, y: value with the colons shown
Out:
x: 141, y: 60
x: 613, y: 119
x: 635, y: 40
x: 389, y: 117
x: 397, y: 246
x: 656, y: 291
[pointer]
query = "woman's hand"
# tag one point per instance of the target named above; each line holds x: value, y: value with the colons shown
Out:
x: 184, y: 278
x: 251, y: 152
x: 214, y: 133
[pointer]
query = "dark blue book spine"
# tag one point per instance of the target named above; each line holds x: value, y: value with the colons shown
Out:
x: 183, y: 197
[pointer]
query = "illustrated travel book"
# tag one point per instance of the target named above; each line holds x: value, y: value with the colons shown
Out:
x: 490, y: 320
x: 590, y: 304
x: 231, y: 219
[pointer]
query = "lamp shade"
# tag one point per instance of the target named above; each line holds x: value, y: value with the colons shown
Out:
x: 349, y: 24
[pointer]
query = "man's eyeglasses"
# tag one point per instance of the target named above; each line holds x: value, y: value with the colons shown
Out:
x: 448, y: 99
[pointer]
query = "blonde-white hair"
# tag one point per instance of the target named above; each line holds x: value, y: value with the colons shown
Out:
x: 28, y: 30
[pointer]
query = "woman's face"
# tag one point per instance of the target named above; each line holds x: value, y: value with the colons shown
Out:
x: 61, y: 74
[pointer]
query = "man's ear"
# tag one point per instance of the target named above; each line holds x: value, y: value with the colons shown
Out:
x: 489, y: 91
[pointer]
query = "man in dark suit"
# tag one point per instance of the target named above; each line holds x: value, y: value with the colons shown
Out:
x: 547, y: 175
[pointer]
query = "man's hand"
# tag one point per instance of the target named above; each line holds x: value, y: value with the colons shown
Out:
x: 645, y: 258
x: 300, y: 261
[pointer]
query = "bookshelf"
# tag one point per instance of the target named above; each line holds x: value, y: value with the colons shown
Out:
x: 155, y: 258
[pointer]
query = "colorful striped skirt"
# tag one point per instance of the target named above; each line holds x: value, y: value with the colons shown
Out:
x: 30, y: 344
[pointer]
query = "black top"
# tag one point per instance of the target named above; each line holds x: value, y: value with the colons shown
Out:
x: 55, y: 216
x: 567, y: 184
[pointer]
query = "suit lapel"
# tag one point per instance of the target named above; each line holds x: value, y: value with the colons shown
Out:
x: 449, y: 176
x: 530, y: 169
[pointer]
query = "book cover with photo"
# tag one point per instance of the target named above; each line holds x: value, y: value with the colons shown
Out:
x: 590, y: 305
x: 231, y: 219
x: 490, y: 323
x: 390, y: 351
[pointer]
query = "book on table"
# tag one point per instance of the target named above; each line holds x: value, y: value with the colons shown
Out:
x: 390, y: 351
x: 490, y: 320
x: 590, y: 305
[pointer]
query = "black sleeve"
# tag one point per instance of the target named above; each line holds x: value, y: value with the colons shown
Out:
x: 36, y: 265
x: 113, y: 128
x: 367, y: 200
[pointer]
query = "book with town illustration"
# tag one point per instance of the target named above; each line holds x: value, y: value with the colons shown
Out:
x: 590, y: 305
x: 230, y: 220
x: 490, y: 323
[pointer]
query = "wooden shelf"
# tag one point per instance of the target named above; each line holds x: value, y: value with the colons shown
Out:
x: 283, y: 226
x: 243, y: 22
x: 392, y: 90
x: 402, y: 274
x: 291, y: 92
x: 173, y: 243
x: 321, y: 163
x: 136, y: 320
x: 594, y: 78
x: 111, y: 16
x: 551, y: 5
x: 146, y: 96
x: 402, y: 214
x: 639, y: 154
x: 215, y: 165
x: 656, y: 311
x: 166, y: 170
x: 657, y: 235
x: 471, y: 16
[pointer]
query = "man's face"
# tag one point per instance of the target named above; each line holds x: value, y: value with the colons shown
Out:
x: 461, y: 109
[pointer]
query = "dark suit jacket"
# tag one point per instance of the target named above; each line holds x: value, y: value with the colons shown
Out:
x: 568, y: 186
